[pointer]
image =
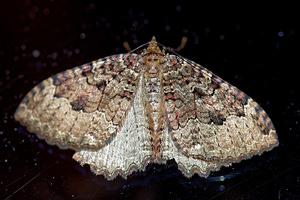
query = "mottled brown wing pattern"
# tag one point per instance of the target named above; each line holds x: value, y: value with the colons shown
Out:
x: 124, y: 111
x: 210, y: 119
x: 82, y: 107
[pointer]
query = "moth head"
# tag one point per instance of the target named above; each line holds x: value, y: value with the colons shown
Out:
x: 153, y: 48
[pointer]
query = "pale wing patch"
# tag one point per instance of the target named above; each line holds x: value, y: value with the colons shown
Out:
x: 129, y: 151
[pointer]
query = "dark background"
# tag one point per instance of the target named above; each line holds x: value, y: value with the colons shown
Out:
x: 250, y: 44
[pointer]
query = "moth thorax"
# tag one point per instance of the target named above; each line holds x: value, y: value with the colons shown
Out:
x: 154, y: 100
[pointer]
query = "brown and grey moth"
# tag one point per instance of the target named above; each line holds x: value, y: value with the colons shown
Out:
x: 122, y: 112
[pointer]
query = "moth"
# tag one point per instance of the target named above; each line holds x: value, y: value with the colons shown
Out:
x: 122, y: 112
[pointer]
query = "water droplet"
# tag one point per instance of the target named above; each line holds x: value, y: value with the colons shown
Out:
x: 82, y: 36
x: 278, y: 45
x: 26, y: 29
x: 50, y: 151
x: 46, y: 11
x: 146, y: 21
x: 167, y: 27
x: 35, y: 8
x: 31, y: 15
x: 178, y: 8
x: 207, y: 30
x: 23, y: 47
x: 222, y: 178
x: 135, y: 41
x: 16, y: 58
x: 76, y: 51
x: 134, y: 23
x: 35, y: 53
x: 54, y: 55
x: 221, y: 188
x: 280, y: 34
x: 221, y: 37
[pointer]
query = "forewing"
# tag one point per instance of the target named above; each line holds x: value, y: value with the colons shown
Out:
x: 82, y: 107
x: 211, y: 120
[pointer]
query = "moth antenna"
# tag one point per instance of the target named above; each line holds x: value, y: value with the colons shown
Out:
x: 181, y: 46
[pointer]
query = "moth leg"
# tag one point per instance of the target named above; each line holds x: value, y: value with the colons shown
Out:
x: 127, y: 46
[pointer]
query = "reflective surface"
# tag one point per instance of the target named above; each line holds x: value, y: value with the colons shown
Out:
x: 254, y: 50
